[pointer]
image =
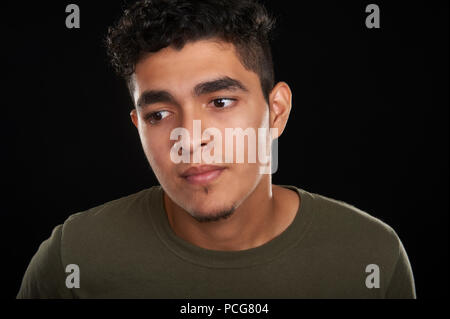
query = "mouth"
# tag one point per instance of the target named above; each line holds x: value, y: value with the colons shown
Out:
x: 204, y: 174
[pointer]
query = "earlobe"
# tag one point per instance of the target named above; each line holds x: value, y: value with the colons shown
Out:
x: 280, y: 106
x: 134, y: 118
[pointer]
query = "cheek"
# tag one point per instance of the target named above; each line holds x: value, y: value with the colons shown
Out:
x: 250, y: 117
x: 255, y: 118
x: 156, y: 149
x: 255, y: 115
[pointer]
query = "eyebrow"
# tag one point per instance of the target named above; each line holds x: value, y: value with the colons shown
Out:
x: 223, y: 83
x: 154, y: 96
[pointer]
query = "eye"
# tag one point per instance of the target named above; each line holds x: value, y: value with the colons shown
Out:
x: 156, y: 117
x: 222, y: 102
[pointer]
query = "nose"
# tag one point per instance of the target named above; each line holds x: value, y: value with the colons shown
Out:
x: 194, y: 124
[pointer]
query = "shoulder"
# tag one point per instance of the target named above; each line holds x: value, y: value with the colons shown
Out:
x: 44, y: 276
x: 344, y: 217
x: 111, y: 218
x: 111, y: 234
x: 111, y: 210
x: 338, y: 223
x: 86, y: 238
x: 102, y: 231
x: 365, y: 239
x: 348, y: 240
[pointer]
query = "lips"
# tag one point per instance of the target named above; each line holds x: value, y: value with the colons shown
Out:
x: 202, y: 174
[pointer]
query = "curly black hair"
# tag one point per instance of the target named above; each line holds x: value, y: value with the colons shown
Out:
x: 151, y: 25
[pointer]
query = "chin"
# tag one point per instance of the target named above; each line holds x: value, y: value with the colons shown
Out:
x: 205, y: 212
x: 212, y: 216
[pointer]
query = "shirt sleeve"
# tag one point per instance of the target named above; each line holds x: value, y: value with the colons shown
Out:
x: 45, y: 276
x: 401, y: 285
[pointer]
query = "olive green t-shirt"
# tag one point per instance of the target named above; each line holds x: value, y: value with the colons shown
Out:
x: 126, y: 248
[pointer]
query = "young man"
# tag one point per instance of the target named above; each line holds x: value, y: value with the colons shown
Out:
x: 212, y: 229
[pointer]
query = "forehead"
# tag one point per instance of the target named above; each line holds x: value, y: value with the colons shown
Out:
x: 181, y: 70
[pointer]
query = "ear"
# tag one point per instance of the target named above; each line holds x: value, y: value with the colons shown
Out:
x: 134, y: 118
x: 280, y: 103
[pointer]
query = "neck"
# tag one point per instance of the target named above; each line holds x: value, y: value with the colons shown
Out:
x: 252, y: 224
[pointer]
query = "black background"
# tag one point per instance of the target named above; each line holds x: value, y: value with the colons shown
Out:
x: 369, y: 123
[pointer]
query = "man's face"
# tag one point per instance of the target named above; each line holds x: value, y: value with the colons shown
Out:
x: 204, y: 81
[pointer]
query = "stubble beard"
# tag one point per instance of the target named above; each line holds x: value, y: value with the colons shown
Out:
x: 213, y: 217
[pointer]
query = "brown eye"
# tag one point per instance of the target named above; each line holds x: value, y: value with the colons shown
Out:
x: 156, y: 117
x: 222, y: 102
